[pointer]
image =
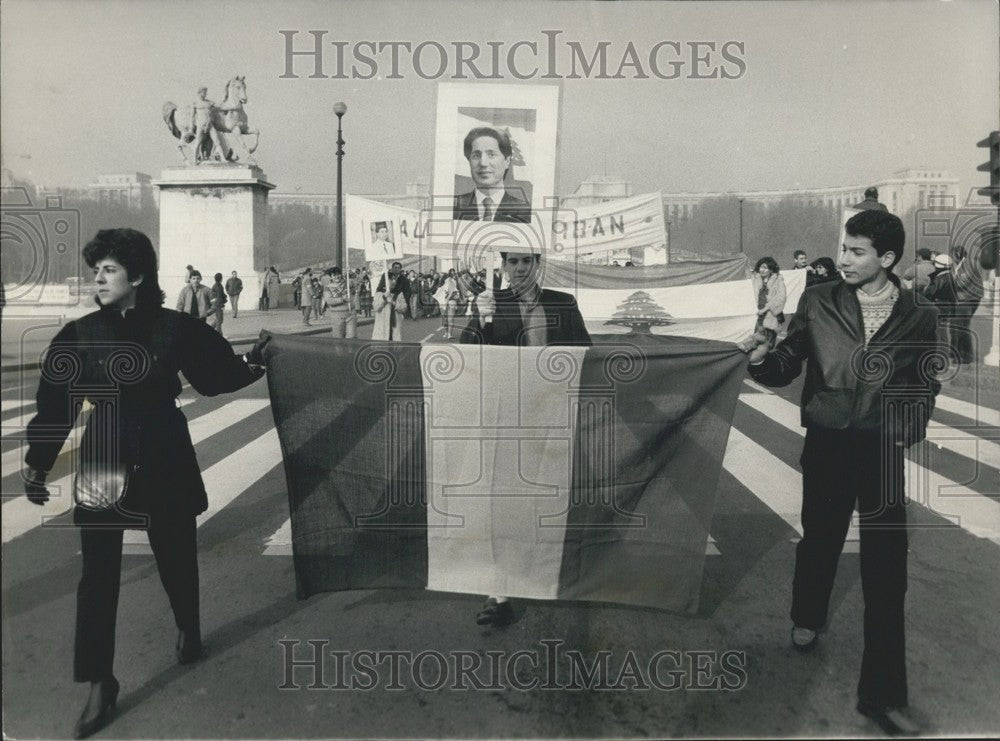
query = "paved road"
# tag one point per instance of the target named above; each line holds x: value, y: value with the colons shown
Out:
x: 243, y: 688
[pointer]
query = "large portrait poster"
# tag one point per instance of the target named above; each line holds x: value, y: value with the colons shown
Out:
x: 494, y: 168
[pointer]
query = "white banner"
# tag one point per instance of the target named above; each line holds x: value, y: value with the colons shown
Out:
x: 588, y: 231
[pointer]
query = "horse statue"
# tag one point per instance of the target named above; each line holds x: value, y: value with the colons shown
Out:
x: 214, y: 132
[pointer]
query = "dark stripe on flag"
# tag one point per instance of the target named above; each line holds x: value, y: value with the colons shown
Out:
x: 350, y: 419
x: 654, y: 418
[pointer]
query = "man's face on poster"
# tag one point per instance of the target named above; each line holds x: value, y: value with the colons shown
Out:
x: 382, y: 233
x: 487, y: 164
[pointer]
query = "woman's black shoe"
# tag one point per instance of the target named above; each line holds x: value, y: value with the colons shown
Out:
x: 188, y: 646
x: 99, y: 709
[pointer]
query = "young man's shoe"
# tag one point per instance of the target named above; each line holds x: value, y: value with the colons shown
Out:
x: 496, y: 613
x: 893, y: 721
x: 804, y: 639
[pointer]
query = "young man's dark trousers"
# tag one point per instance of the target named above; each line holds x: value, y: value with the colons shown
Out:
x: 841, y: 468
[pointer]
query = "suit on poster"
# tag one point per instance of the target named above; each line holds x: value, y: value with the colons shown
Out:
x: 510, y: 209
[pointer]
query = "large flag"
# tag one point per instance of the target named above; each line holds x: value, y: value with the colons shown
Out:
x: 547, y: 472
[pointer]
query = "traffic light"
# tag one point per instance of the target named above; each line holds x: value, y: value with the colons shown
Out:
x: 992, y: 142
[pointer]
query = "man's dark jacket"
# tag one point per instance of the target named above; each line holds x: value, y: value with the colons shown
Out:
x: 511, y: 208
x: 889, y: 385
x: 564, y: 322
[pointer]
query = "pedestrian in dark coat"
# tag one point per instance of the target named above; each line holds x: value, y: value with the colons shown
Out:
x: 124, y: 359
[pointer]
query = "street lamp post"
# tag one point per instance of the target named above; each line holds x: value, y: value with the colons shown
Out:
x: 340, y: 109
x: 741, y: 224
x: 668, y: 241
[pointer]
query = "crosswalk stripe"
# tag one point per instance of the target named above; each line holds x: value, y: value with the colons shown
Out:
x: 972, y: 511
x: 957, y: 441
x: 757, y: 387
x: 964, y: 444
x: 20, y: 515
x: 983, y: 415
x: 225, y: 481
x: 766, y: 476
x: 13, y: 459
x: 17, y: 405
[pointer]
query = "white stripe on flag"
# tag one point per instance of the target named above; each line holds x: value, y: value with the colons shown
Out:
x: 499, y: 442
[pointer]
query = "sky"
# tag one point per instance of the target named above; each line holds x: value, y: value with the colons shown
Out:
x: 823, y: 93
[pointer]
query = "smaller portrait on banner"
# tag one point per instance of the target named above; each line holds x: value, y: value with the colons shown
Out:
x: 381, y: 242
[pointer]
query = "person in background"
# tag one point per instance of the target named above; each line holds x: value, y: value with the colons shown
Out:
x: 871, y: 202
x: 824, y: 270
x: 297, y: 282
x: 217, y: 310
x: 801, y: 260
x: 195, y: 299
x: 390, y: 305
x: 344, y: 323
x: 918, y: 276
x: 769, y: 288
x: 365, y: 295
x: 942, y: 292
x: 234, y: 287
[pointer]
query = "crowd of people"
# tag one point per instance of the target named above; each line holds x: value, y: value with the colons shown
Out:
x: 451, y: 295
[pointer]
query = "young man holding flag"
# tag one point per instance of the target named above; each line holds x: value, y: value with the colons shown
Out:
x: 868, y: 395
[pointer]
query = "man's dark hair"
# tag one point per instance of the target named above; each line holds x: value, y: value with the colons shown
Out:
x: 924, y: 254
x: 194, y: 273
x: 397, y: 263
x: 336, y: 271
x: 799, y: 252
x: 885, y: 231
x: 871, y: 192
x: 134, y: 252
x: 501, y: 136
x: 503, y: 256
x: 770, y: 262
x: 218, y: 277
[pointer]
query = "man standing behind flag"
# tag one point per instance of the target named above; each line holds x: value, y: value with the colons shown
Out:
x: 525, y: 314
x: 867, y: 397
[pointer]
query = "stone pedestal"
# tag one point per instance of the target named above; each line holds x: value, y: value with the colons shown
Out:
x: 213, y: 217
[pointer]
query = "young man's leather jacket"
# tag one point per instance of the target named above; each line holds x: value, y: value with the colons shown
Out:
x: 888, y: 385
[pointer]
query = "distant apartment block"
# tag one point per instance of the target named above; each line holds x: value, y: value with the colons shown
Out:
x: 124, y: 189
